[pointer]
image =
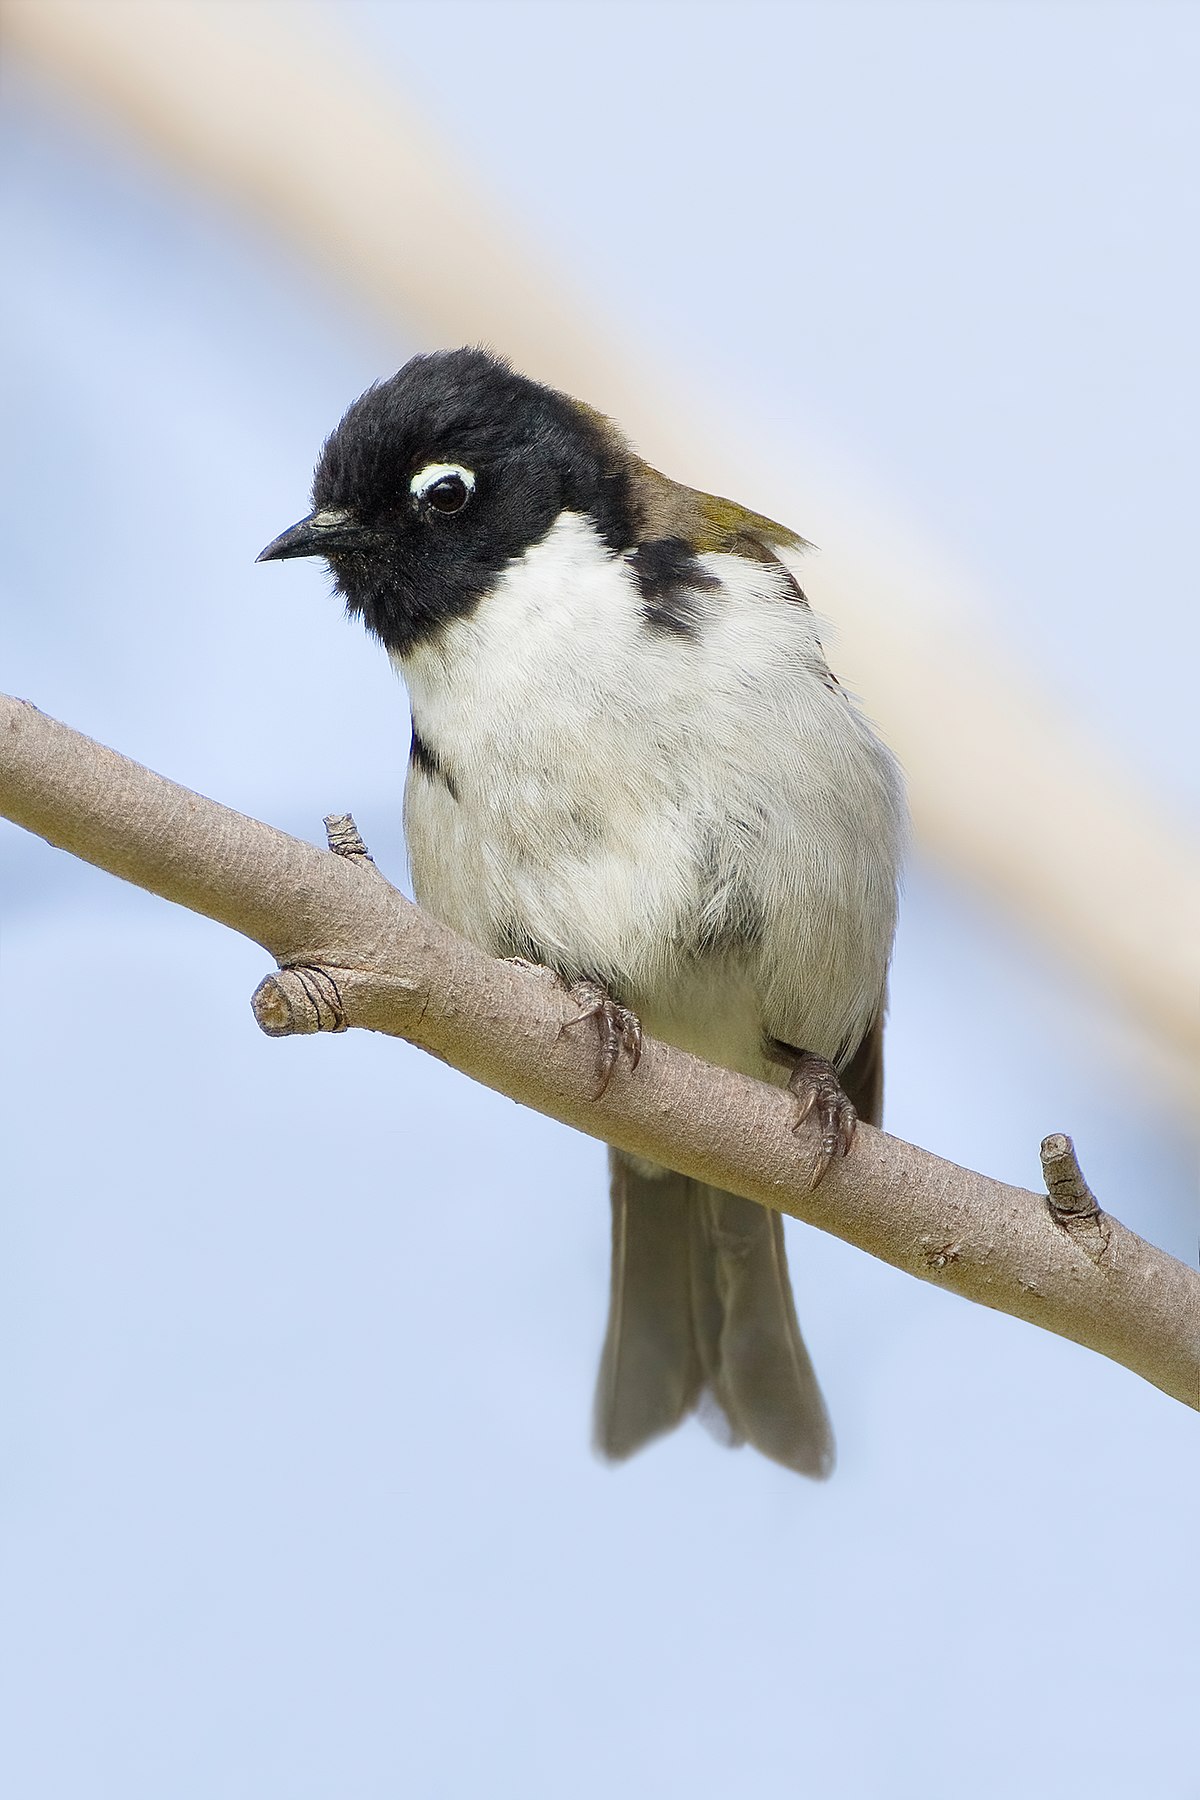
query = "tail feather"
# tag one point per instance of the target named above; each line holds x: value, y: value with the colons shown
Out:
x: 650, y: 1376
x: 701, y: 1309
x: 764, y: 1380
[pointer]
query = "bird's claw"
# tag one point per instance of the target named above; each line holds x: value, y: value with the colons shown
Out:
x: 815, y: 1083
x: 619, y: 1030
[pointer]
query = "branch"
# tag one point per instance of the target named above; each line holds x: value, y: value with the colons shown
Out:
x: 352, y: 951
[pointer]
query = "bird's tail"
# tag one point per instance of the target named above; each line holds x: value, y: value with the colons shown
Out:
x: 701, y: 1315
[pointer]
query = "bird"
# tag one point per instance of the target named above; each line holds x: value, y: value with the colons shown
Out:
x: 631, y: 763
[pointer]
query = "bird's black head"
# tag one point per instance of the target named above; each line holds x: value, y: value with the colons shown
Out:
x: 438, y: 478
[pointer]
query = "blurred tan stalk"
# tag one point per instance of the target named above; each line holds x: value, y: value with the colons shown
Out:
x: 262, y: 104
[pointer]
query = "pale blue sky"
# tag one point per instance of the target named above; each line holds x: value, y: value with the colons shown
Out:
x: 298, y: 1497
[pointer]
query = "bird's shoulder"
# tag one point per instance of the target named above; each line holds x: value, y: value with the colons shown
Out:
x: 656, y: 508
x: 705, y: 522
x: 680, y: 528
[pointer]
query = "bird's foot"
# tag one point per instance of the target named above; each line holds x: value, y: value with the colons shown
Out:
x: 816, y: 1085
x: 618, y: 1029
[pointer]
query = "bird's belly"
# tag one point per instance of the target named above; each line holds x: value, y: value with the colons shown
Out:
x: 529, y: 863
x: 590, y: 914
x: 529, y: 867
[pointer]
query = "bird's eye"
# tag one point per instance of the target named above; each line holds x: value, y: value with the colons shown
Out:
x: 449, y: 495
x: 446, y: 487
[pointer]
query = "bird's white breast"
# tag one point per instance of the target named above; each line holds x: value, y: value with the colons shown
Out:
x: 702, y: 821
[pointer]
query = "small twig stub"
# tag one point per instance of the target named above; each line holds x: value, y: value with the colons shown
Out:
x: 343, y: 836
x: 297, y: 1001
x: 1070, y: 1195
x: 1071, y: 1201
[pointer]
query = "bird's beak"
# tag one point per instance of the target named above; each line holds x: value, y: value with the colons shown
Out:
x: 317, y: 535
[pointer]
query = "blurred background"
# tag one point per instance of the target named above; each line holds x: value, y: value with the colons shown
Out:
x: 297, y: 1339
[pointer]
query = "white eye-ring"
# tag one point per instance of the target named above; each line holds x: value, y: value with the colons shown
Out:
x: 446, y: 487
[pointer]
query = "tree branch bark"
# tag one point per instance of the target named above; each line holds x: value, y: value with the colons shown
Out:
x: 352, y: 951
